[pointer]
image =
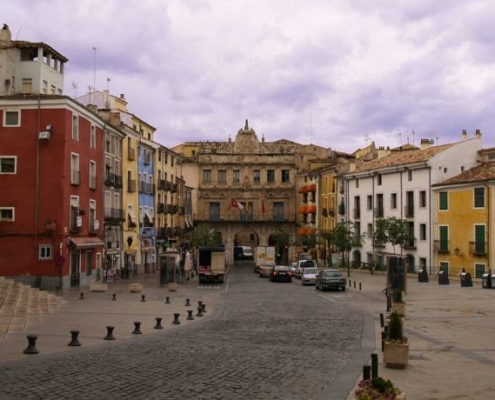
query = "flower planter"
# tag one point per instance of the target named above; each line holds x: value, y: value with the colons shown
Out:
x: 400, y: 396
x: 135, y: 287
x: 396, y: 355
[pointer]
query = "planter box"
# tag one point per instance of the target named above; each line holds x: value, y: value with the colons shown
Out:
x: 400, y: 396
x: 400, y: 308
x: 98, y: 287
x: 172, y: 286
x: 396, y: 355
x: 135, y: 287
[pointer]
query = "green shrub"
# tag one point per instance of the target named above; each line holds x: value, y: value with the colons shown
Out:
x: 395, y: 328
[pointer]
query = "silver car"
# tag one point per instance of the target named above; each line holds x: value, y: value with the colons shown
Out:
x: 308, y: 276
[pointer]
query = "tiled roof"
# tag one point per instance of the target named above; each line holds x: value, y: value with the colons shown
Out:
x: 404, y: 157
x: 480, y: 173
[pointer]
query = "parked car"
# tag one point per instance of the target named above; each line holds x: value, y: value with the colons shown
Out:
x: 247, y: 253
x: 265, y: 269
x: 330, y: 279
x: 280, y: 273
x: 308, y: 276
x: 301, y: 264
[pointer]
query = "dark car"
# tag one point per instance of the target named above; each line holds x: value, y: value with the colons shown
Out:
x: 330, y: 279
x: 280, y: 273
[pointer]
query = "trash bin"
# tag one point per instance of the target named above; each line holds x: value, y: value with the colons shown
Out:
x: 486, y: 281
x: 443, y: 278
x: 423, y: 275
x: 466, y: 280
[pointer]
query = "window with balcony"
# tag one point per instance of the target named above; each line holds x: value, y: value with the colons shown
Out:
x: 11, y: 118
x: 93, y: 222
x: 479, y: 197
x: 8, y: 164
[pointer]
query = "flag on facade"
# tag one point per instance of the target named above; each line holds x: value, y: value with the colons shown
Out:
x: 237, y: 204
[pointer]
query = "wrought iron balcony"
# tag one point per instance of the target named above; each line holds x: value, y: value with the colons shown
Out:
x: 409, y: 211
x: 442, y: 246
x: 92, y: 182
x: 131, y: 186
x: 410, y: 245
x: 478, y: 249
x: 114, y: 214
x: 75, y: 177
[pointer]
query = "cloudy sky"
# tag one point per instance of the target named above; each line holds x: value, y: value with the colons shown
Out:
x: 336, y: 73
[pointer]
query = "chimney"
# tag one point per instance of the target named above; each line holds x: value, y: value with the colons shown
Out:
x: 5, y: 35
x: 122, y: 96
x: 464, y: 135
x: 425, y: 143
x: 477, y: 134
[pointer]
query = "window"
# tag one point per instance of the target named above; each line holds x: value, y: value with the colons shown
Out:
x: 422, y: 231
x: 236, y: 178
x: 93, y: 223
x: 357, y: 183
x: 8, y: 164
x: 369, y: 231
x: 74, y: 169
x: 278, y: 211
x: 256, y: 176
x: 75, y: 127
x: 45, y: 87
x: 270, y: 175
x: 7, y: 214
x: 422, y: 199
x: 222, y: 176
x: 393, y: 201
x: 207, y: 175
x: 75, y: 218
x: 479, y: 239
x: 27, y: 85
x: 444, y: 238
x: 379, y: 179
x: 92, y: 137
x: 479, y: 197
x: 92, y: 175
x: 45, y: 252
x: 369, y: 202
x: 285, y: 175
x: 214, y: 211
x: 444, y: 200
x: 409, y: 175
x: 11, y: 118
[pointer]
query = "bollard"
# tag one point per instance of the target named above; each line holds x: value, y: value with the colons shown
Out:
x: 114, y: 296
x: 74, y: 341
x: 190, y: 315
x: 359, y: 285
x: 199, y: 314
x: 143, y: 298
x: 137, y: 328
x: 200, y: 304
x: 176, y: 319
x: 366, y: 372
x: 31, y: 349
x: 81, y: 296
x: 382, y: 320
x: 158, y: 323
x: 354, y: 284
x: 389, y: 301
x: 167, y: 300
x: 384, y: 336
x: 187, y: 303
x: 374, y: 365
x: 203, y: 308
x: 109, y: 333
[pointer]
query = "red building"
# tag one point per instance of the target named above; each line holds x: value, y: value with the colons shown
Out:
x: 51, y: 190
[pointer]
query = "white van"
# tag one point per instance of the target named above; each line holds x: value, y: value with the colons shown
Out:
x: 247, y: 253
x: 301, y: 264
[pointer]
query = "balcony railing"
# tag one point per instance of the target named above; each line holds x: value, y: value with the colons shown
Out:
x: 442, y: 246
x: 478, y: 248
x: 161, y: 208
x: 75, y: 177
x: 378, y: 212
x: 409, y: 211
x: 357, y: 213
x: 114, y: 214
x: 118, y: 181
x: 162, y: 185
x: 94, y: 226
x: 131, y: 186
x: 410, y: 245
x: 150, y: 188
x: 131, y: 154
x: 161, y: 233
x: 92, y: 182
x: 243, y: 217
x: 142, y: 187
x: 109, y: 179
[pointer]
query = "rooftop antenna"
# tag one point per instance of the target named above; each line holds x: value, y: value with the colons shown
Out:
x: 18, y: 33
x: 413, y: 136
x: 94, y: 75
x: 74, y: 86
x: 367, y: 138
x: 400, y: 138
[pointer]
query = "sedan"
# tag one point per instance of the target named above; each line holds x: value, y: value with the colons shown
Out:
x: 330, y: 279
x: 280, y: 273
x: 265, y: 269
x: 308, y: 276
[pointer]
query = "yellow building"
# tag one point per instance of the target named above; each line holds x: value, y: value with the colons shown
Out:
x: 464, y: 231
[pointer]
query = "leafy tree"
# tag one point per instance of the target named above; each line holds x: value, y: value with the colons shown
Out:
x: 345, y: 238
x: 398, y: 232
x: 203, y: 235
x: 380, y: 236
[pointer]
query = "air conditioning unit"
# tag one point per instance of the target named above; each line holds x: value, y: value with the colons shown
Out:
x: 44, y: 135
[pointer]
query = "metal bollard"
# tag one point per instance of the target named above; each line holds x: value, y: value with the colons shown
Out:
x: 176, y: 319
x: 200, y: 304
x: 109, y: 333
x: 199, y: 314
x: 203, y: 308
x: 188, y: 304
x: 354, y: 284
x: 137, y: 328
x: 382, y: 320
x: 143, y: 298
x: 74, y: 341
x: 366, y: 372
x: 384, y: 336
x: 190, y: 315
x: 158, y: 323
x: 31, y: 349
x: 359, y: 285
x: 167, y: 300
x: 114, y: 296
x: 374, y: 365
x: 81, y: 296
x: 389, y: 302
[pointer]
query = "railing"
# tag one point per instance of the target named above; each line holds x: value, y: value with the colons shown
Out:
x: 131, y: 154
x: 75, y: 177
x: 92, y: 182
x: 410, y: 245
x: 357, y: 213
x: 161, y: 233
x: 161, y: 208
x: 243, y: 217
x: 378, y: 212
x: 131, y: 186
x: 150, y: 188
x: 114, y: 214
x: 478, y: 248
x: 109, y: 179
x: 93, y: 226
x: 142, y: 187
x: 409, y: 211
x: 118, y: 181
x: 442, y: 246
x: 162, y: 185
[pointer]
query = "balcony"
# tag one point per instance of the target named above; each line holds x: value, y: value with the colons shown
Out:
x: 409, y: 211
x: 161, y: 208
x: 94, y: 226
x: 109, y: 179
x: 118, y: 181
x: 243, y: 217
x: 378, y: 244
x: 131, y: 186
x: 161, y: 233
x: 162, y: 185
x: 441, y: 246
x: 131, y: 154
x: 410, y: 245
x: 142, y: 187
x: 478, y: 249
x: 114, y: 214
x: 174, y: 188
x: 131, y: 225
x: 357, y: 213
x: 92, y: 182
x: 150, y: 188
x: 75, y: 177
x: 378, y: 212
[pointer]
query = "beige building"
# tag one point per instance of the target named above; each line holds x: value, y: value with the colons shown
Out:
x: 246, y: 189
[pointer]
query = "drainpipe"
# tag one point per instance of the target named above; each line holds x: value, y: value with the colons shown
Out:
x: 488, y: 212
x: 37, y: 184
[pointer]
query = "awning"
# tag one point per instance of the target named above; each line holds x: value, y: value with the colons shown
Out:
x: 148, y: 215
x: 85, y: 243
x: 132, y: 217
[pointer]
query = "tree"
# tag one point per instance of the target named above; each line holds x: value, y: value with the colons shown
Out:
x: 398, y: 232
x: 380, y: 235
x: 344, y: 239
x: 203, y: 235
x: 282, y: 239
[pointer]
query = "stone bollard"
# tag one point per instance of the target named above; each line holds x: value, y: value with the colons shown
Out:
x: 187, y: 303
x: 137, y: 328
x: 109, y: 333
x: 74, y: 341
x: 167, y: 300
x: 158, y: 323
x: 143, y: 298
x: 176, y: 319
x: 81, y: 296
x: 203, y: 308
x: 190, y: 315
x: 31, y: 349
x: 114, y: 296
x: 199, y: 314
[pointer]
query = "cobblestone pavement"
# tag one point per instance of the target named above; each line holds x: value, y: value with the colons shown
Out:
x: 265, y: 341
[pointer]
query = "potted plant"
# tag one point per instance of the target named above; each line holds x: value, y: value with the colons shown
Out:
x: 396, y: 345
x: 378, y: 389
x: 398, y: 304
